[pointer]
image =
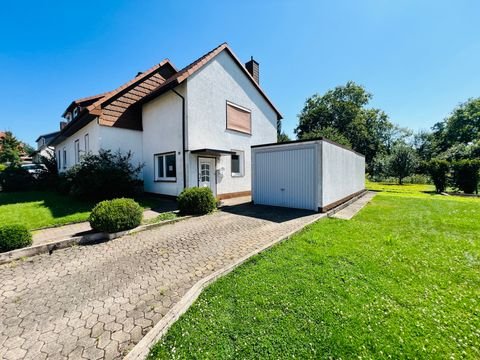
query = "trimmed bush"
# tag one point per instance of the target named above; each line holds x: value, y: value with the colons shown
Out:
x: 116, y: 215
x: 466, y: 175
x: 438, y: 171
x: 196, y: 201
x: 14, y: 237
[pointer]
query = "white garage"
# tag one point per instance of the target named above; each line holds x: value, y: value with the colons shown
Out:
x: 313, y: 174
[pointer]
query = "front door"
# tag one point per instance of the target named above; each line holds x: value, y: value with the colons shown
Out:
x: 206, y: 174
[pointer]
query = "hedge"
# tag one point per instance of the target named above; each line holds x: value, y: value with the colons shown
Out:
x: 14, y: 237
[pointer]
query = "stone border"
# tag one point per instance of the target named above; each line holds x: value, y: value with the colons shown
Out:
x: 86, y: 239
x: 342, y: 206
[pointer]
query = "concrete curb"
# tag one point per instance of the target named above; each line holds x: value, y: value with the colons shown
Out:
x: 346, y: 203
x: 141, y: 349
x: 13, y: 255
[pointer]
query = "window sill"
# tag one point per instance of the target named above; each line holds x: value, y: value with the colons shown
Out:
x: 171, y: 180
x: 236, y: 175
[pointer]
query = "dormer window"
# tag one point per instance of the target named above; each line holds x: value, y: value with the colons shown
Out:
x: 75, y: 112
x: 68, y: 117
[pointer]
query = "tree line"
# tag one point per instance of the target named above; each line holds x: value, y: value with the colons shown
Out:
x: 449, y: 153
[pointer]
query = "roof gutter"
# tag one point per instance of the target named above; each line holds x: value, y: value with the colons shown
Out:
x: 183, y: 138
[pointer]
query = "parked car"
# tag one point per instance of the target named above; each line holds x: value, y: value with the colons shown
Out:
x: 34, y: 169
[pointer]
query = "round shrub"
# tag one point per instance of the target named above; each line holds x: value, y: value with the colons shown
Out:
x: 116, y: 215
x: 196, y: 201
x: 14, y: 237
x: 466, y: 175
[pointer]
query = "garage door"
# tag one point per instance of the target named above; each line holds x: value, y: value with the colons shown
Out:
x: 285, y: 178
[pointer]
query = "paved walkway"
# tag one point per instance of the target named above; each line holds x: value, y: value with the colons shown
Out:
x: 97, y: 301
x: 351, y: 210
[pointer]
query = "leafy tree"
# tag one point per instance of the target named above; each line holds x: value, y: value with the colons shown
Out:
x: 466, y: 175
x: 329, y: 133
x: 27, y: 149
x: 438, y: 170
x: 343, y: 114
x: 402, y: 162
x: 10, y: 149
x: 282, y: 137
x: 461, y: 127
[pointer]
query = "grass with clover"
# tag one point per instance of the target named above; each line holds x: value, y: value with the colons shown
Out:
x: 400, y: 280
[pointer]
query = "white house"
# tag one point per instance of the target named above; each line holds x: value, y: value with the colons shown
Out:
x: 44, y: 147
x: 192, y: 127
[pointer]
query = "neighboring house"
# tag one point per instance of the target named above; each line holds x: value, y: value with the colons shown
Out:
x: 192, y: 127
x: 44, y: 147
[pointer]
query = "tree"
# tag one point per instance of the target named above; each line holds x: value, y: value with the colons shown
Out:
x: 402, y: 162
x: 10, y: 149
x: 281, y: 136
x: 329, y: 133
x: 343, y: 113
x: 438, y: 171
x: 461, y: 127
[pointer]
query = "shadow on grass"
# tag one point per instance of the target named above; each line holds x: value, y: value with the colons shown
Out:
x: 62, y: 205
x: 59, y: 205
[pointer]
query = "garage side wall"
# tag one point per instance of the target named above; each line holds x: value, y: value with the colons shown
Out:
x: 343, y: 174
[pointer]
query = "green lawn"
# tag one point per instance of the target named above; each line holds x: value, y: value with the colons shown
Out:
x: 400, y: 280
x: 38, y: 209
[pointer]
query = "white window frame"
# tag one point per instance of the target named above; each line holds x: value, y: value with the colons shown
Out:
x: 59, y: 160
x: 241, y: 160
x: 87, y: 143
x: 75, y: 112
x: 77, y: 150
x: 164, y: 164
x: 68, y: 117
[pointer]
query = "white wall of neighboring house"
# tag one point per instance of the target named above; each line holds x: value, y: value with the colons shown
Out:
x: 208, y: 91
x: 93, y: 131
x: 162, y: 133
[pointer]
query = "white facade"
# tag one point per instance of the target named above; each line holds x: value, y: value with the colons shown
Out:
x: 208, y: 91
x: 93, y: 137
x: 65, y: 151
x: 311, y: 175
x: 162, y: 133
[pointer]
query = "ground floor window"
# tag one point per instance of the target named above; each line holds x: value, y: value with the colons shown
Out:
x: 165, y: 167
x: 59, y: 160
x: 237, y: 163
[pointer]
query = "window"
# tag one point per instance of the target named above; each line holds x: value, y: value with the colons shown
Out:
x: 77, y: 151
x: 239, y: 118
x: 59, y: 160
x: 68, y: 117
x: 64, y: 158
x: 75, y: 112
x: 165, y: 167
x: 87, y: 144
x: 237, y: 164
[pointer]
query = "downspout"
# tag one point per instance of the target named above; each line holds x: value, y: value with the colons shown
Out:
x: 183, y: 138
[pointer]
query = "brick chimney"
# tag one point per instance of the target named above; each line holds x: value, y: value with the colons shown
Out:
x: 62, y: 124
x: 254, y: 69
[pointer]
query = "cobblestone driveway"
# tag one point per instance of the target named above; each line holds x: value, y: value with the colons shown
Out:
x: 98, y: 301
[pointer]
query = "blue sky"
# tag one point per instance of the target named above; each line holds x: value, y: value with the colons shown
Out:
x: 418, y: 58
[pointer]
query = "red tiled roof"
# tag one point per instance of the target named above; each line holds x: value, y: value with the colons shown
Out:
x: 192, y: 68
